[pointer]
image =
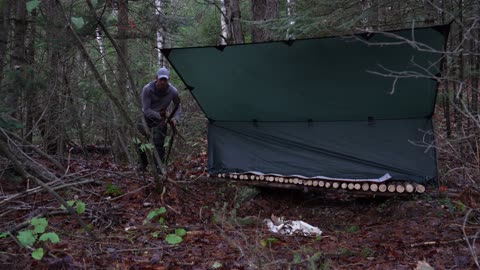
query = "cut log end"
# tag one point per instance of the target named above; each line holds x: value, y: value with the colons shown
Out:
x: 365, y: 187
x: 400, y: 189
x: 419, y: 188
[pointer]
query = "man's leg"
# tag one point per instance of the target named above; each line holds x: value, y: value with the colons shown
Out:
x: 159, y: 134
x: 143, y: 156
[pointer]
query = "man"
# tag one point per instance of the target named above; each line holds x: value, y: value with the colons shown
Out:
x: 156, y: 97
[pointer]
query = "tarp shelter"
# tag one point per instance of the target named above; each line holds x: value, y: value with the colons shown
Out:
x: 314, y: 107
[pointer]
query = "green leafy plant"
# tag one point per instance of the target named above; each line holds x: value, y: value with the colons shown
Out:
x: 172, y: 238
x: 155, y: 213
x: 146, y: 146
x: 177, y: 237
x: 352, y: 229
x: 79, y: 206
x: 366, y: 252
x: 112, y: 190
x: 345, y: 251
x: 36, y: 233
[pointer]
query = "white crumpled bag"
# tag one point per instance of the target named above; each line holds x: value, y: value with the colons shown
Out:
x: 290, y: 227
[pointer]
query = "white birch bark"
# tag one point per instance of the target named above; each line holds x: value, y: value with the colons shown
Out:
x: 101, y: 47
x: 223, y: 23
x: 290, y: 14
x: 159, y: 39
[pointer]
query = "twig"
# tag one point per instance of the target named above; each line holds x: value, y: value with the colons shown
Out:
x: 471, y: 246
x: 431, y: 243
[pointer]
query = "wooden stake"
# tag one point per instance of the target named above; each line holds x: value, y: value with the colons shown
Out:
x: 309, y: 183
x: 295, y: 180
x: 315, y: 183
x: 252, y: 177
x: 357, y: 186
x: 219, y: 175
x: 374, y: 187
x: 351, y: 186
x: 235, y: 176
x: 321, y: 183
x: 344, y: 185
x: 365, y: 186
x: 335, y: 185
x: 382, y: 188
x: 327, y: 184
x: 391, y: 188
x: 300, y: 181
x: 281, y: 179
x: 400, y: 188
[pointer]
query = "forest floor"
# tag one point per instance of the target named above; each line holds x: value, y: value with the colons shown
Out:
x: 225, y: 229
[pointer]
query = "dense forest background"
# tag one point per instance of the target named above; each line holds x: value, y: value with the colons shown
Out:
x: 71, y: 72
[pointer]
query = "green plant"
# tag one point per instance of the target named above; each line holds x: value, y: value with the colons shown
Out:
x: 447, y: 203
x: 177, y: 237
x: 366, y: 252
x: 79, y: 206
x: 112, y: 190
x: 146, y: 146
x: 155, y: 213
x: 173, y: 238
x: 352, y: 229
x: 345, y: 251
x: 36, y: 232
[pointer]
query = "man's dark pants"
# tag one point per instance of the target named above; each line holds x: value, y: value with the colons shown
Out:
x: 158, y: 130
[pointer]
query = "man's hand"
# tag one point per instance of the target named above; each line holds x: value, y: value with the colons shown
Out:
x: 173, y: 122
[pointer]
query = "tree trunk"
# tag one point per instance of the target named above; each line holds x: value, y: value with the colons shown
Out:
x: 263, y: 11
x: 159, y: 34
x: 30, y: 95
x: 224, y: 36
x: 52, y: 127
x: 123, y: 84
x: 460, y: 87
x: 4, y: 30
x: 18, y: 59
x: 123, y: 25
x: 290, y: 14
x: 475, y: 60
x: 235, y: 26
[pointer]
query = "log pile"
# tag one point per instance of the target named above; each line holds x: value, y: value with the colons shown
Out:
x: 400, y: 187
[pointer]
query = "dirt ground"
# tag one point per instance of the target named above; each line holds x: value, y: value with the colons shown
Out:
x: 224, y: 224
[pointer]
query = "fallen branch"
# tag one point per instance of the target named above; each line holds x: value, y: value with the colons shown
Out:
x: 432, y: 243
x: 4, y: 149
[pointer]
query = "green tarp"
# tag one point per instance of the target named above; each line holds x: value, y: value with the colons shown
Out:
x: 316, y: 107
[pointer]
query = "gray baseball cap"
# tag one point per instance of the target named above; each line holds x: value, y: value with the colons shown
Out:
x: 162, y: 73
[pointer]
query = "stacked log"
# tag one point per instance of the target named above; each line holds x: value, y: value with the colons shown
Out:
x: 388, y: 187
